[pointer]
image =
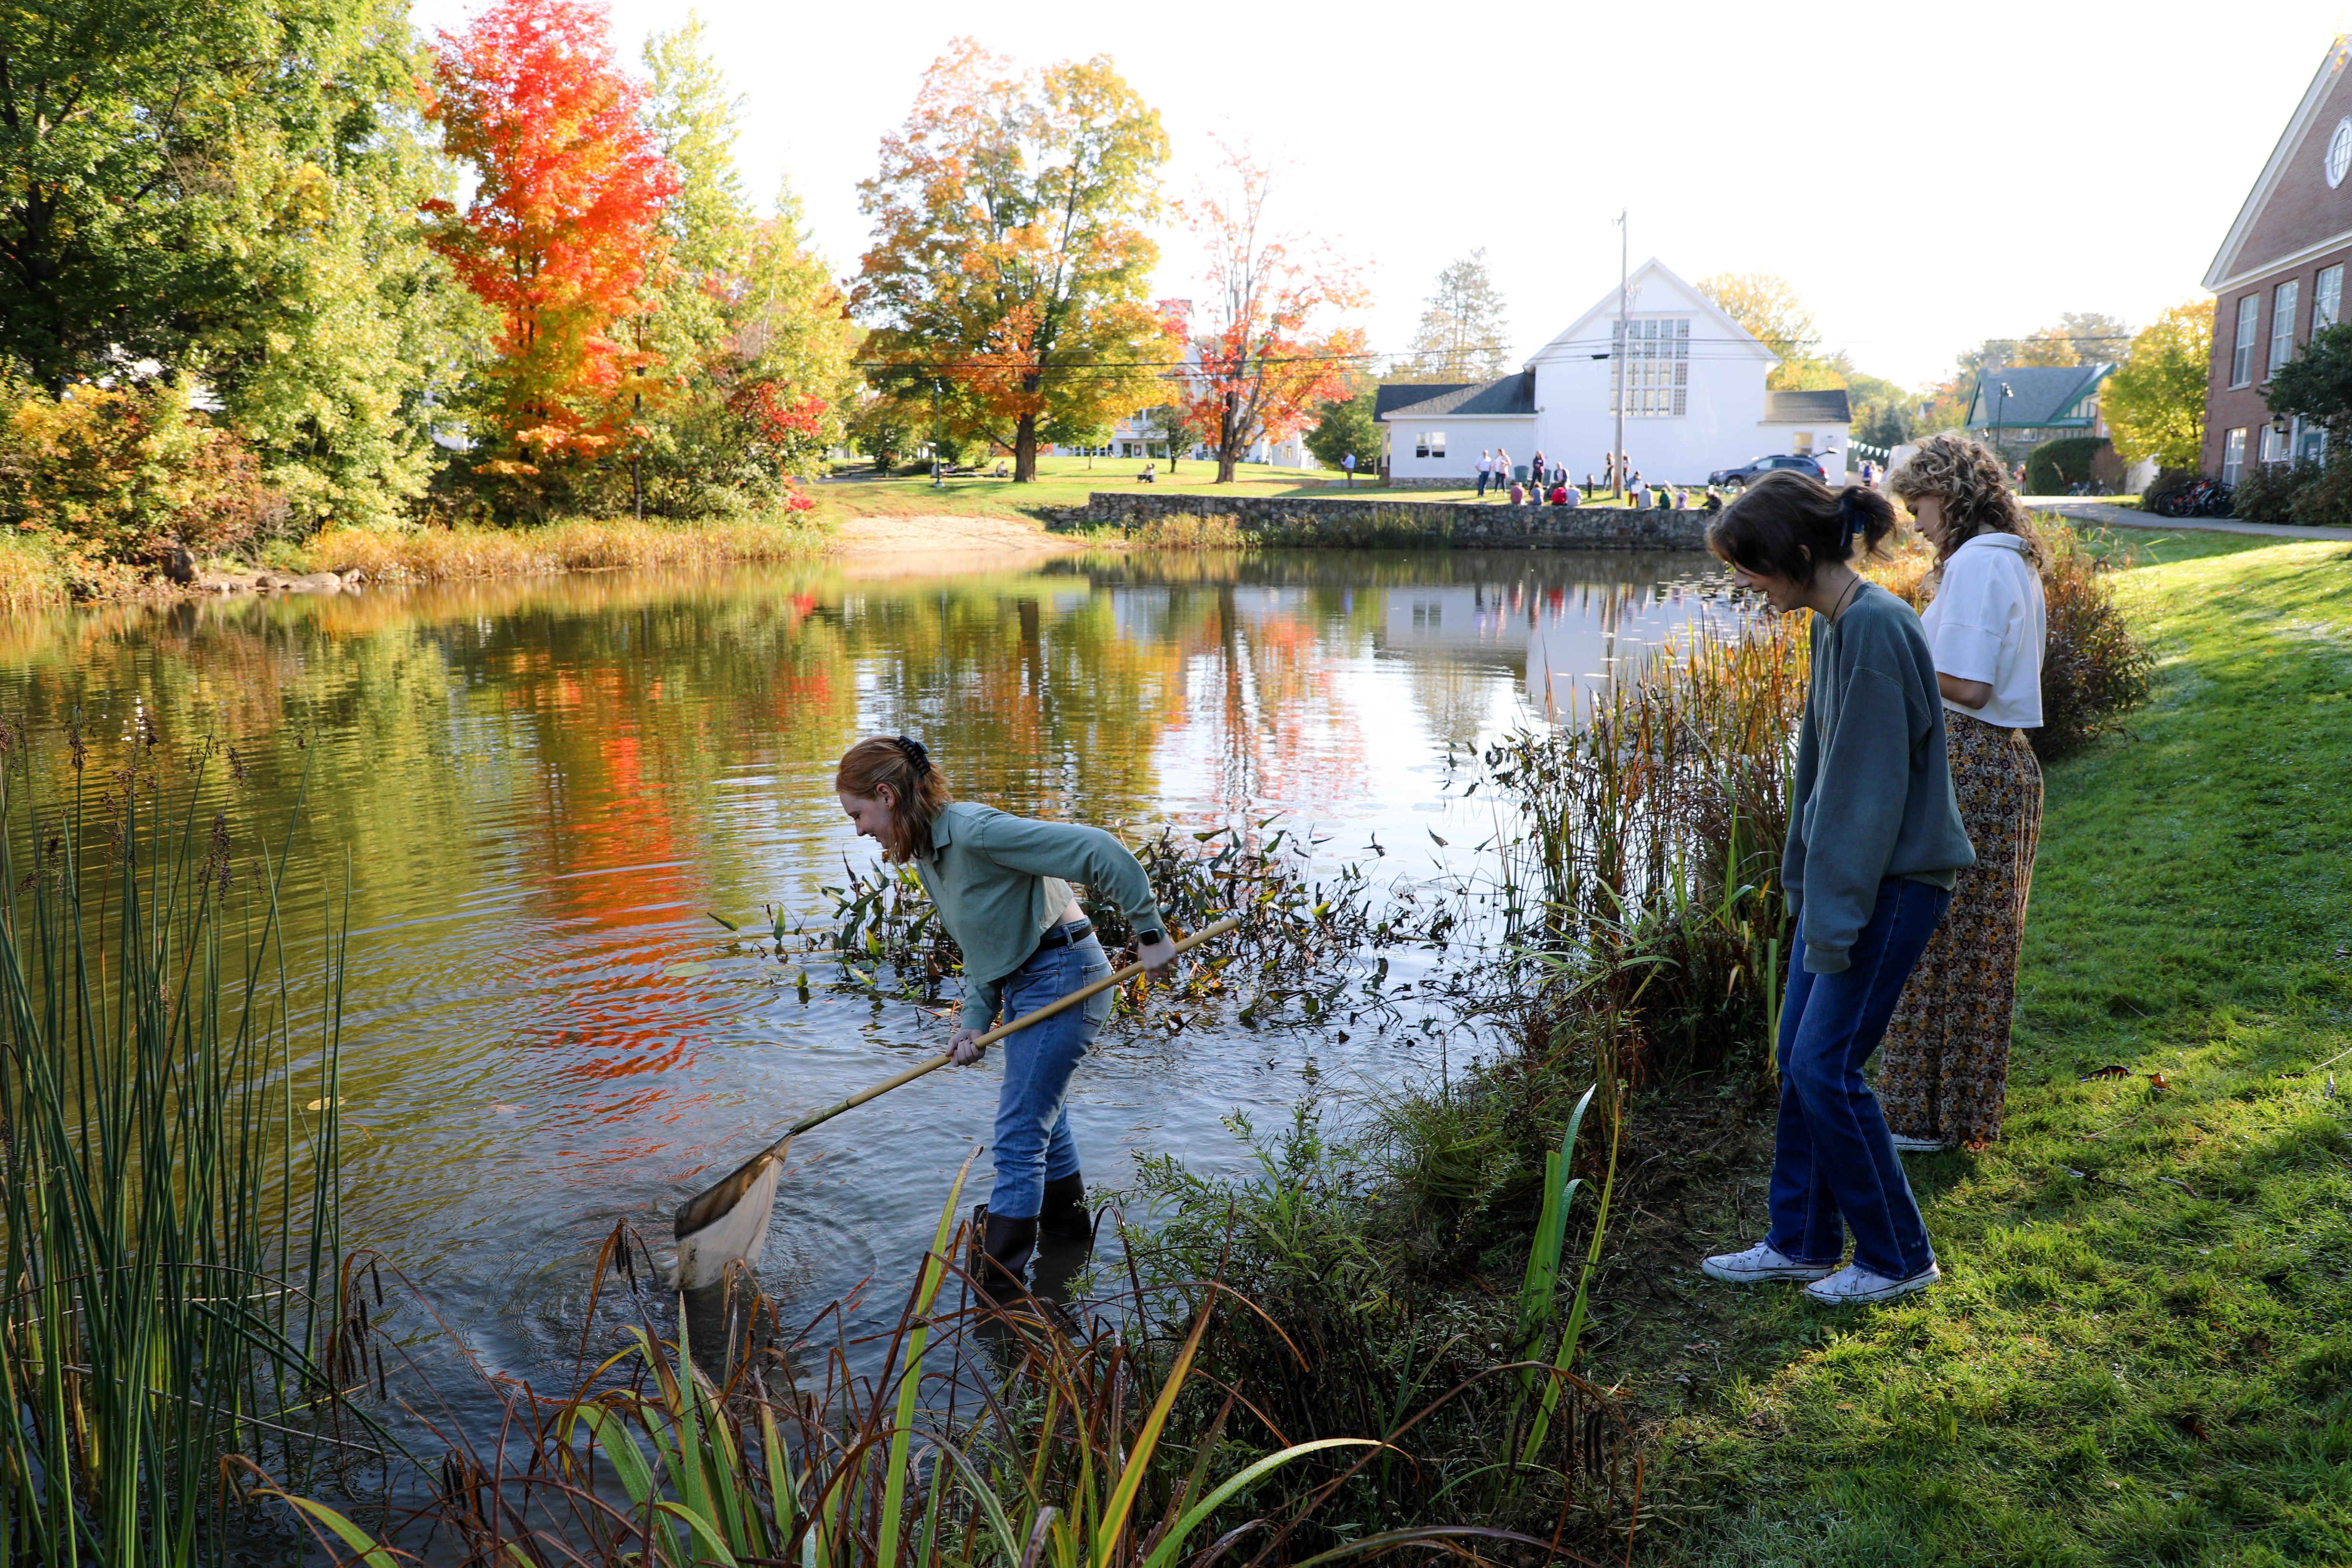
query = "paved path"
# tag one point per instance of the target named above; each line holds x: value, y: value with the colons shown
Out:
x: 2129, y: 517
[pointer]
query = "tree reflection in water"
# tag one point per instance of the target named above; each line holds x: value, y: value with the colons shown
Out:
x: 544, y: 786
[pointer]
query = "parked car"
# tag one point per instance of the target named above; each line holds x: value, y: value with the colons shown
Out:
x: 1747, y: 473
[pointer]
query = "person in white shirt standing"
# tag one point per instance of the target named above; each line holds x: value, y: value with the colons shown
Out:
x: 1486, y: 472
x: 1945, y: 1074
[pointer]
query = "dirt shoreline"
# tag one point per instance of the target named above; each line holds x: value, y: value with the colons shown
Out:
x: 949, y: 533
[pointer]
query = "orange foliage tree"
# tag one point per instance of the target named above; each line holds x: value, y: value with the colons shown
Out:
x: 562, y: 238
x: 1009, y: 268
x: 1265, y: 357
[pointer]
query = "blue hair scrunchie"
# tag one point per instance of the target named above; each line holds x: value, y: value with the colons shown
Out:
x: 1849, y: 517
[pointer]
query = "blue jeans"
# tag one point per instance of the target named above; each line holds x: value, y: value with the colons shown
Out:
x: 1833, y: 1158
x: 1483, y: 478
x: 1034, y: 1145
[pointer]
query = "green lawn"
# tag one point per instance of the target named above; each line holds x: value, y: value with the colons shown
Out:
x: 2142, y: 1351
x: 1068, y: 481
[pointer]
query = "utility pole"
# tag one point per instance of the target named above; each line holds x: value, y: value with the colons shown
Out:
x: 1617, y: 357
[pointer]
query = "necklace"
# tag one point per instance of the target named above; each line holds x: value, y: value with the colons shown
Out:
x: 1839, y: 609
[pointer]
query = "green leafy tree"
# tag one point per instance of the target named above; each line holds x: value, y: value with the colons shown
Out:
x: 231, y: 186
x: 1344, y: 427
x: 2314, y: 386
x: 1078, y: 431
x: 749, y: 327
x: 2155, y: 404
x: 710, y: 224
x: 1465, y: 333
x: 1013, y: 255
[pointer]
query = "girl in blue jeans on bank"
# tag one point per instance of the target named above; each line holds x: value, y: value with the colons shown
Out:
x: 1875, y: 837
x: 1001, y: 886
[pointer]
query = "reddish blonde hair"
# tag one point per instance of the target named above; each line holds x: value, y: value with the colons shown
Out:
x: 918, y: 789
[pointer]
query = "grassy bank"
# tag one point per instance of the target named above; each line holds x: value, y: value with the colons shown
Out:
x: 2140, y: 1351
x: 1069, y: 481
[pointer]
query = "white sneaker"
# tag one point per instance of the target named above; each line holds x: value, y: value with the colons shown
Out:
x: 1919, y: 1145
x: 1761, y: 1262
x: 1855, y: 1284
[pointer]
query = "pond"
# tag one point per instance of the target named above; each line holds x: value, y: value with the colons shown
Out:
x: 540, y: 792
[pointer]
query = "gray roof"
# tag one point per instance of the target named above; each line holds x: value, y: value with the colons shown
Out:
x: 2039, y: 395
x: 1511, y: 394
x: 1808, y: 407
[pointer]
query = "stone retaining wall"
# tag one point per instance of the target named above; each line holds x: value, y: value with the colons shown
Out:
x: 1368, y: 520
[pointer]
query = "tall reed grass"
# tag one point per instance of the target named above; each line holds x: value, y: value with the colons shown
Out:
x: 1653, y: 836
x: 169, y: 1218
x: 575, y: 544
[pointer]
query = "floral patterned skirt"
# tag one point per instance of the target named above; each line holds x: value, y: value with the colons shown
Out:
x: 1945, y: 1072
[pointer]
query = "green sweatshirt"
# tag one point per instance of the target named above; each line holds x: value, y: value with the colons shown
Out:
x: 1873, y: 796
x: 998, y: 881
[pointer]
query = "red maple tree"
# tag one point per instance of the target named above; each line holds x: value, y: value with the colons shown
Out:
x: 560, y: 237
x: 1264, y: 362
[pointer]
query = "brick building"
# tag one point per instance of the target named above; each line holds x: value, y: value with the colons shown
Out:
x: 2279, y: 276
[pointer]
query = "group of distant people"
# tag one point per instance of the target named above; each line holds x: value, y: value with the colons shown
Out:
x: 1549, y: 483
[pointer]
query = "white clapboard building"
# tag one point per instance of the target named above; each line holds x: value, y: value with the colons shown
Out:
x: 1692, y: 382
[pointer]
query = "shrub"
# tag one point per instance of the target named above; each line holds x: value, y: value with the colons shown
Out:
x: 2326, y: 501
x: 2266, y: 492
x: 115, y: 476
x: 2093, y: 670
x: 2055, y: 468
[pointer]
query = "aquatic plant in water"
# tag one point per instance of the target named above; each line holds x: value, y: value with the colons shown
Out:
x: 169, y: 1159
x: 982, y: 1437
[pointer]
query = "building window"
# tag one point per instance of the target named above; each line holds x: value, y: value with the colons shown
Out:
x: 2310, y: 442
x: 2234, y: 455
x: 2339, y: 152
x: 1429, y: 444
x: 2273, y: 445
x: 2327, y: 298
x: 2241, y: 347
x: 1801, y: 443
x: 2283, y: 325
x: 1654, y: 368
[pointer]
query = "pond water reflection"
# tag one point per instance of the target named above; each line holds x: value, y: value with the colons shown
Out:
x: 543, y: 789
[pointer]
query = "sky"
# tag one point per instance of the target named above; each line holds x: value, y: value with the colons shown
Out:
x: 1927, y: 176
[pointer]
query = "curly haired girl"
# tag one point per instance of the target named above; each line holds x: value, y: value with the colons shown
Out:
x: 1946, y: 1071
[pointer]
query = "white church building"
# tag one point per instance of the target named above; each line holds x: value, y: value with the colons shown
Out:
x: 1695, y: 400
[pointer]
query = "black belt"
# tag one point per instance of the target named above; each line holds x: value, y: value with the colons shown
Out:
x: 1066, y: 935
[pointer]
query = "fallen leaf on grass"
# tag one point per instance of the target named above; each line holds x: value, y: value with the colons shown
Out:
x: 2155, y: 1081
x: 2110, y: 1070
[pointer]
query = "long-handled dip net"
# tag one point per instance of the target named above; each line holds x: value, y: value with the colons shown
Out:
x: 728, y: 1223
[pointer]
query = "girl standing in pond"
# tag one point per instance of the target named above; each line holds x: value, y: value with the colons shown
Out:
x: 1874, y: 839
x: 1945, y: 1074
x: 1001, y: 886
